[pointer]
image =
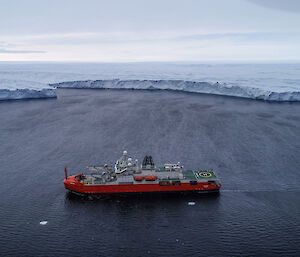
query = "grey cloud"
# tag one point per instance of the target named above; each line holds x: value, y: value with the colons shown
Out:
x: 7, y: 51
x: 100, y: 39
x: 5, y: 44
x: 283, y: 5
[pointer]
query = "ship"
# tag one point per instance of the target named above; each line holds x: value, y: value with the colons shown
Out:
x: 128, y: 176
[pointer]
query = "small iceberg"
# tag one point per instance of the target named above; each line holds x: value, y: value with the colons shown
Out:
x: 43, y: 222
x: 191, y: 203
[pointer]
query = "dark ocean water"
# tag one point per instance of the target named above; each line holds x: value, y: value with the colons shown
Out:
x: 254, y: 146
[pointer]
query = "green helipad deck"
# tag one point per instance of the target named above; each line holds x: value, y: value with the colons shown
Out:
x: 198, y: 175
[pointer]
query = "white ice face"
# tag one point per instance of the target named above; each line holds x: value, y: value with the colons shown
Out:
x: 274, y: 82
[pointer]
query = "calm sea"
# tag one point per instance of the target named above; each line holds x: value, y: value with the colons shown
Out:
x: 254, y: 146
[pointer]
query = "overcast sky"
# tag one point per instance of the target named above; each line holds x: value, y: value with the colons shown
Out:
x: 149, y: 30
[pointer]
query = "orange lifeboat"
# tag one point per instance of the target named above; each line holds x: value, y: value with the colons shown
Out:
x: 138, y: 178
x: 150, y: 178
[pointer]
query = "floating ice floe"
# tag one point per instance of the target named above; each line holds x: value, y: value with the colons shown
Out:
x: 43, y: 222
x: 191, y: 203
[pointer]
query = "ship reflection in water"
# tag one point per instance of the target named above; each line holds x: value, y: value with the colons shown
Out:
x: 159, y: 197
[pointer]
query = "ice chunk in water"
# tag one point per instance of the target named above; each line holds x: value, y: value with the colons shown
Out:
x: 43, y: 222
x: 191, y: 203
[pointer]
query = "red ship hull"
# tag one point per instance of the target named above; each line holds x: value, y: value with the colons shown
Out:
x: 74, y: 185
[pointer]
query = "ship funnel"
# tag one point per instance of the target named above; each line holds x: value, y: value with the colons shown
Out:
x: 148, y: 163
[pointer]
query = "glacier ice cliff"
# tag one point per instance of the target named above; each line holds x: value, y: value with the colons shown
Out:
x: 186, y: 86
x: 25, y: 93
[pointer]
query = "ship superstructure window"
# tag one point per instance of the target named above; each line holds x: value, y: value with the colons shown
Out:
x: 164, y: 183
x: 176, y: 183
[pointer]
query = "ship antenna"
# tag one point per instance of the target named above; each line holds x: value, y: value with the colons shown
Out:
x: 66, y: 174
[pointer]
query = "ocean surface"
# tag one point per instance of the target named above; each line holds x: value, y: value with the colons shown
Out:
x: 274, y: 82
x: 253, y: 145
